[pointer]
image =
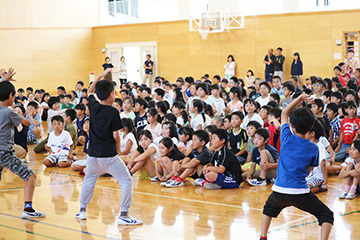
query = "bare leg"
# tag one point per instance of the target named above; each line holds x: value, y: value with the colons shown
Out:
x: 325, y: 230
x: 64, y: 164
x: 136, y: 166
x: 265, y: 224
x: 47, y: 163
x: 30, y: 188
x: 187, y: 172
x: 150, y: 167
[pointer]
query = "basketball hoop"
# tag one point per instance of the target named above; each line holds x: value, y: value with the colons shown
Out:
x: 204, y: 32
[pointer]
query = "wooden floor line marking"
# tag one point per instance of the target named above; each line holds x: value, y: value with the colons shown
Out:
x: 22, y: 230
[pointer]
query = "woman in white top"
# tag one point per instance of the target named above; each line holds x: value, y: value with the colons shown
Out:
x: 250, y: 78
x: 230, y: 67
x: 122, y: 70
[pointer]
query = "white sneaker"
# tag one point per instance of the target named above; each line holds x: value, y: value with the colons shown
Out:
x: 211, y: 186
x: 35, y: 214
x: 81, y: 215
x: 155, y: 179
x: 255, y: 182
x: 343, y: 195
x: 350, y: 196
x: 167, y: 182
x: 199, y: 182
x: 272, y: 180
x: 174, y: 184
x: 128, y: 221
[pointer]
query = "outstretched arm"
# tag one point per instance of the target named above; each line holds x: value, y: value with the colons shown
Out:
x: 285, y: 113
x: 9, y: 75
x: 91, y: 89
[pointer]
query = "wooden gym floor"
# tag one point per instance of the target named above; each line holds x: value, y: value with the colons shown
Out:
x: 188, y: 212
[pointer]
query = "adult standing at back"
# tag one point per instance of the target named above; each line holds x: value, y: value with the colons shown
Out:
x: 351, y: 63
x: 230, y: 67
x: 297, y: 66
x: 269, y: 61
x: 107, y: 65
x: 279, y: 61
x: 148, y: 66
x: 122, y: 71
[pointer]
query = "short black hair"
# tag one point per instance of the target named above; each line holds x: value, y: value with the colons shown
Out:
x: 224, y: 80
x: 250, y: 100
x: 179, y: 105
x: 350, y: 92
x: 33, y: 104
x: 217, y: 77
x: 289, y: 86
x: 52, y: 101
x: 320, y: 81
x: 333, y: 107
x: 80, y: 106
x: 239, y: 114
x: 302, y: 119
x: 21, y: 90
x: 319, y: 103
x: 277, y: 77
x: 210, y: 128
x: 141, y: 102
x: 275, y: 96
x: 266, y: 85
x: 29, y: 89
x: 70, y: 113
x: 266, y: 107
x: 328, y: 83
x: 7, y: 89
x: 279, y: 48
x: 351, y: 104
x: 222, y: 134
x: 67, y: 96
x: 189, y: 80
x: 276, y: 112
x: 337, y: 68
x: 160, y: 92
x: 84, y: 90
x: 61, y: 88
x: 187, y: 131
x: 81, y: 83
x: 255, y: 124
x: 318, y: 128
x: 103, y: 89
x: 21, y: 108
x: 337, y: 95
x: 202, y: 135
x: 57, y: 118
x: 327, y: 93
x: 263, y: 133
x: 214, y: 87
x: 273, y: 104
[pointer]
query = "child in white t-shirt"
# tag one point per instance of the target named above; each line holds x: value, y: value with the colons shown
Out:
x: 154, y: 126
x: 198, y: 120
x: 250, y: 108
x: 185, y: 143
x: 59, y: 144
x: 128, y: 143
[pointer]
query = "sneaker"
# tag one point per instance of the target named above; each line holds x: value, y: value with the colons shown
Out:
x: 199, y: 182
x: 174, y: 184
x: 35, y: 214
x: 272, y: 180
x: 350, y: 196
x: 167, y: 182
x: 322, y: 188
x: 81, y: 215
x: 211, y: 186
x: 128, y: 221
x: 255, y: 182
x: 343, y: 195
x: 155, y: 179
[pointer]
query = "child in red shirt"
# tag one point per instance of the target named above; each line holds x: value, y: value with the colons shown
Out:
x: 347, y: 132
x: 274, y: 115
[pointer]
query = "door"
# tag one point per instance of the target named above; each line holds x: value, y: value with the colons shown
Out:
x: 114, y: 55
x: 132, y: 59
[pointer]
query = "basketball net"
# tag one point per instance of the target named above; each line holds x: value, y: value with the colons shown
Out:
x: 204, y: 32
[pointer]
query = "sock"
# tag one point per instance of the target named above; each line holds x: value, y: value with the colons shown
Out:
x: 173, y: 178
x: 263, y: 238
x: 179, y: 179
x: 124, y: 214
x: 28, y: 207
x: 353, y: 189
x: 260, y: 179
x: 346, y: 188
x: 82, y: 209
x: 130, y: 173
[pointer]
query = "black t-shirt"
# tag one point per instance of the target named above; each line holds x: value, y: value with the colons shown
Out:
x: 140, y: 123
x: 237, y: 141
x: 17, y: 98
x: 20, y: 138
x: 204, y: 156
x: 104, y: 121
x: 149, y: 64
x: 327, y: 126
x: 227, y: 158
x: 107, y: 65
x: 269, y: 67
x: 279, y: 61
x: 175, y: 155
x: 86, y: 145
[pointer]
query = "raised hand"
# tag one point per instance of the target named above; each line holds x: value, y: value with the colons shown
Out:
x: 9, y: 75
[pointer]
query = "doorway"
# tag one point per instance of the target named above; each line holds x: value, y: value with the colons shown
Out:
x: 135, y: 56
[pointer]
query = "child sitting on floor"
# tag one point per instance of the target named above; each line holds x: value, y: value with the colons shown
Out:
x: 185, y: 143
x: 168, y: 162
x: 238, y: 138
x: 60, y: 145
x: 128, y: 143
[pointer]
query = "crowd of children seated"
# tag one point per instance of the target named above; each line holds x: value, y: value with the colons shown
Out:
x: 219, y: 132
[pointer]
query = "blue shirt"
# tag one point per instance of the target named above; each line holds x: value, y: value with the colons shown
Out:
x: 274, y: 90
x: 297, y: 155
x: 256, y: 158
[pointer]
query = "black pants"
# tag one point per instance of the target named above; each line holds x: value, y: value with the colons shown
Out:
x: 307, y: 202
x: 122, y: 80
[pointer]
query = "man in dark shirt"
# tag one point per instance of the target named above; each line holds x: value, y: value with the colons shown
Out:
x: 269, y: 61
x: 279, y: 61
x: 148, y: 66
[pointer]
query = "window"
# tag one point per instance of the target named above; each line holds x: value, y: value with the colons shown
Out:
x: 351, y: 42
x: 111, y: 7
